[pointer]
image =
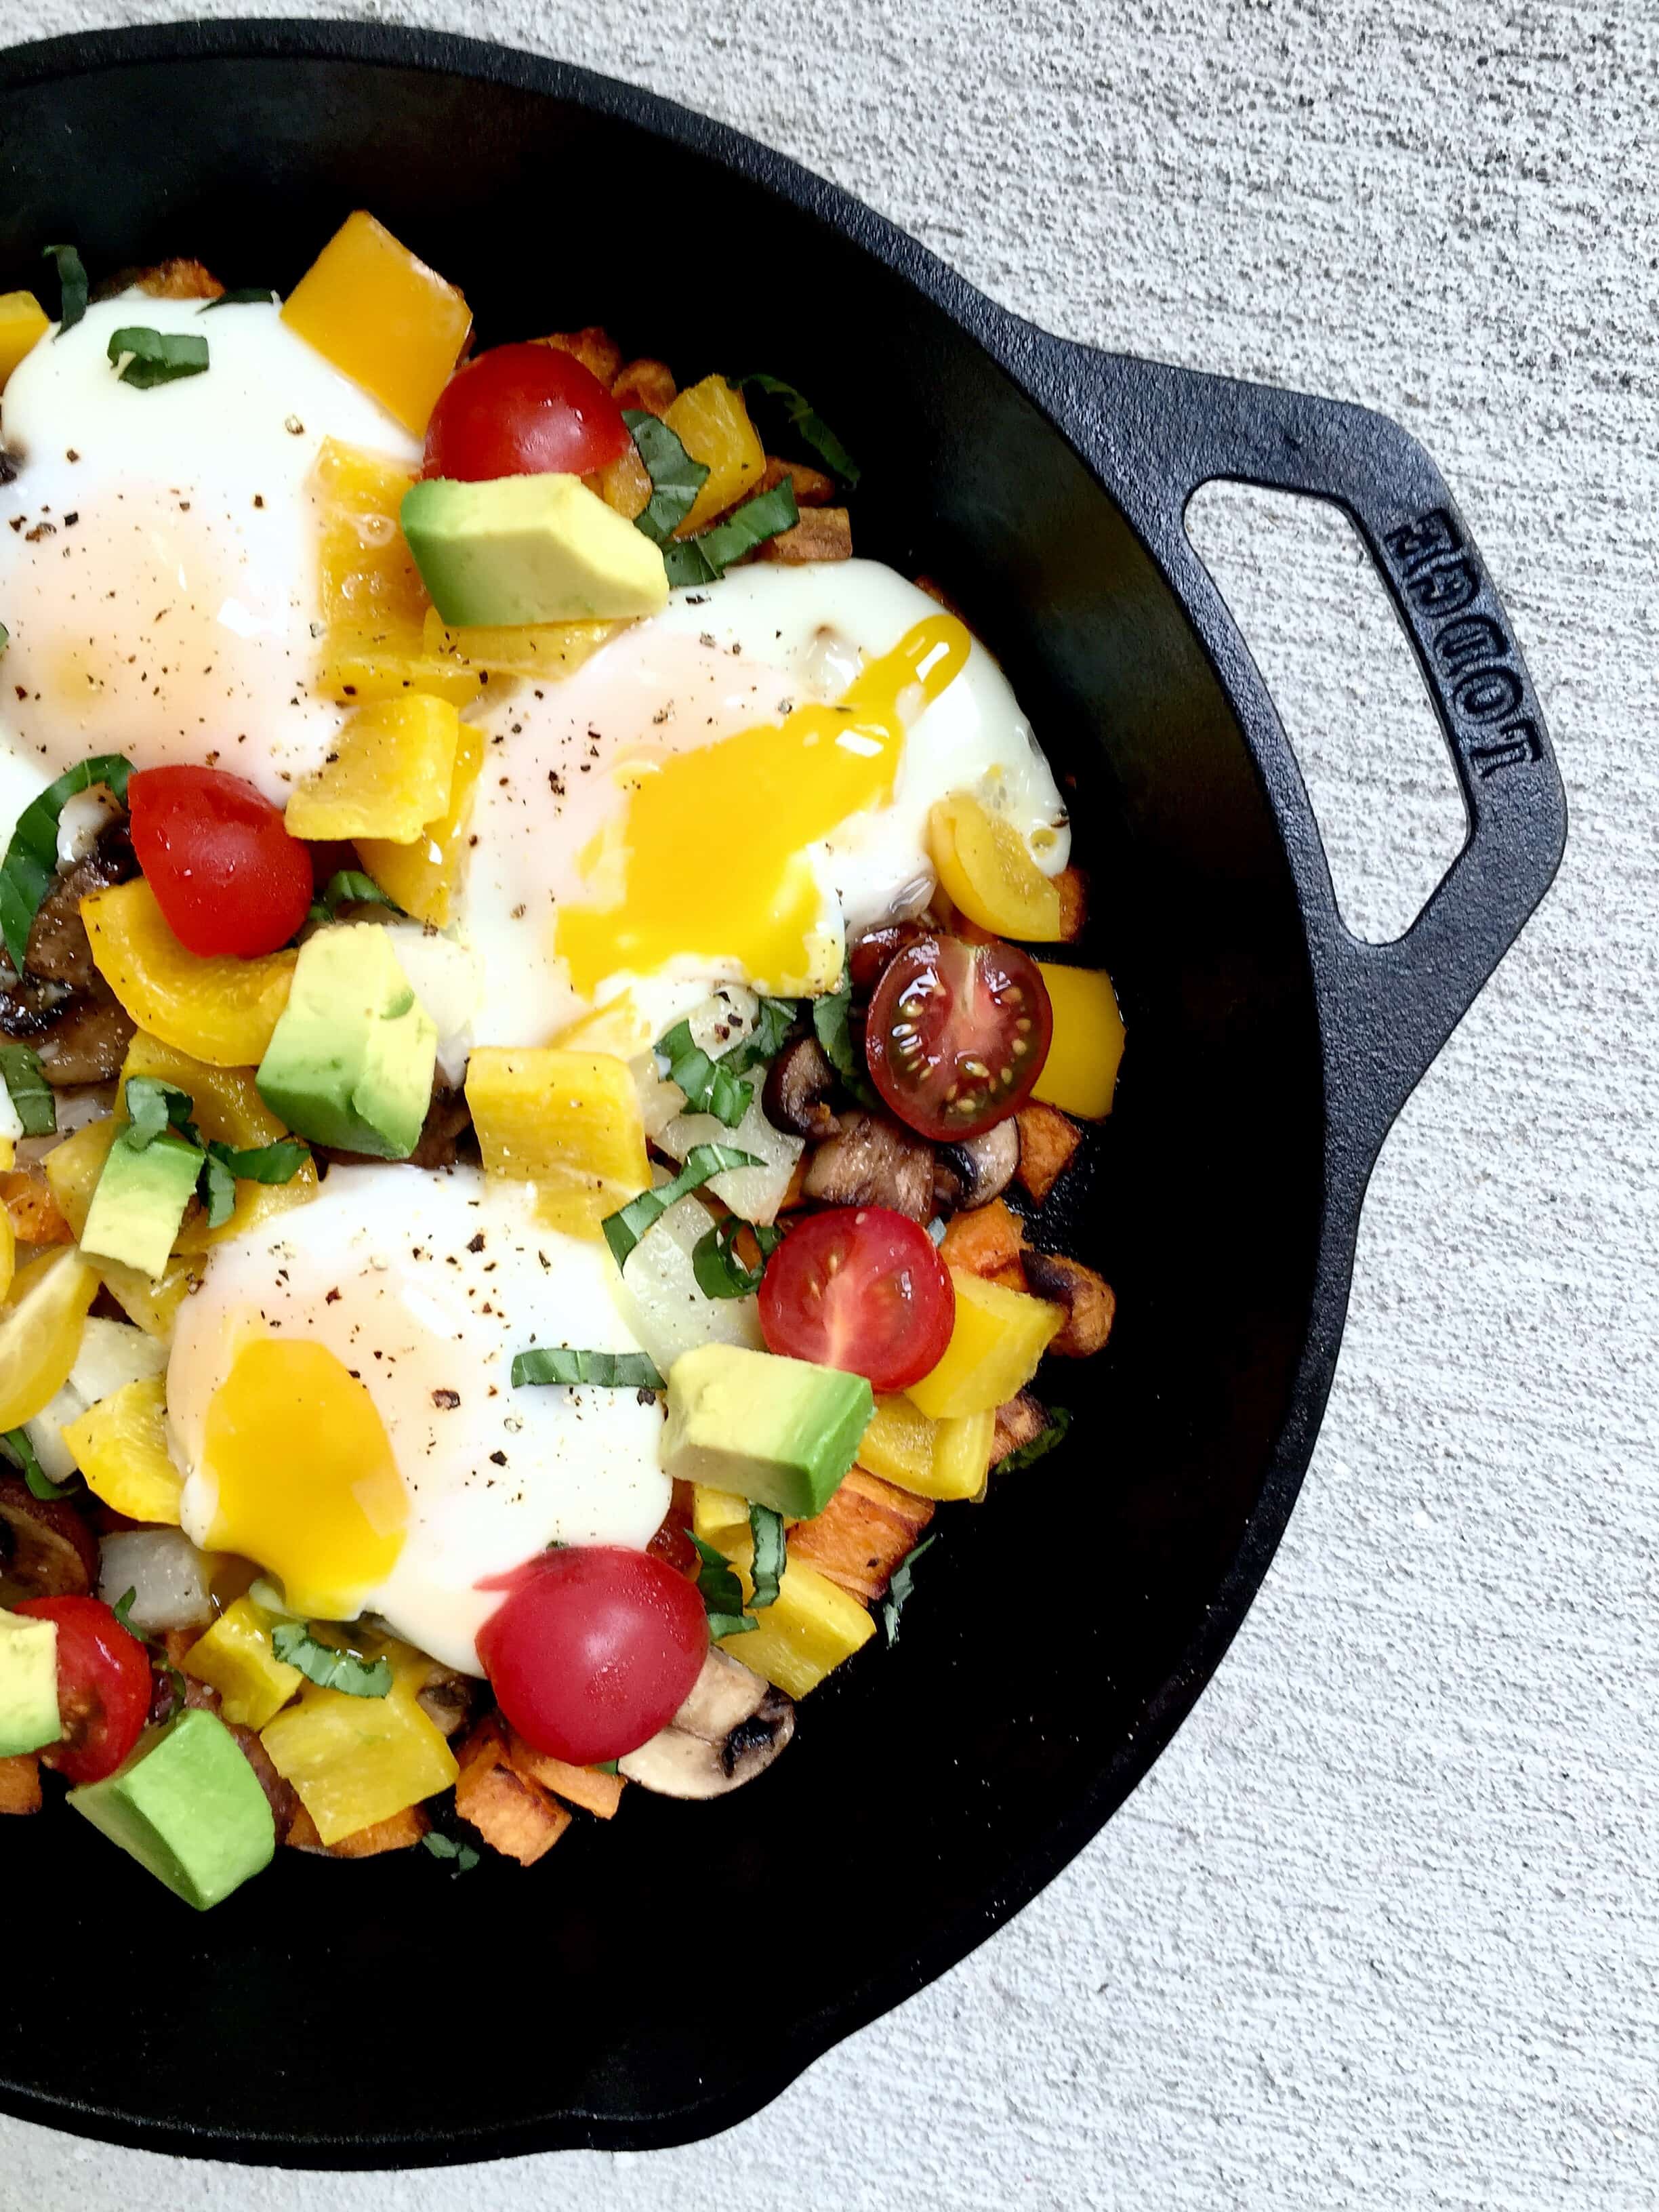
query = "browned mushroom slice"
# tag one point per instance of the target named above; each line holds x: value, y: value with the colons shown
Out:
x: 58, y: 947
x: 1087, y: 1298
x: 447, y: 1698
x: 978, y: 1169
x: 88, y: 1038
x: 46, y: 1550
x: 872, y: 1161
x: 799, y: 1086
x: 731, y: 1728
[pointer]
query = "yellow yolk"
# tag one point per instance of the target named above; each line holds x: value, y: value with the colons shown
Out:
x: 711, y: 857
x: 306, y: 1482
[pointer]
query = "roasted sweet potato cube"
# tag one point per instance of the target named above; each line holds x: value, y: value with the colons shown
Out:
x: 1086, y: 1296
x: 596, y: 349
x: 178, y: 279
x: 987, y: 1242
x: 581, y: 1785
x: 514, y: 1817
x: 812, y: 487
x: 1047, y: 1142
x: 862, y: 1535
x: 1020, y: 1422
x: 1073, y: 888
x: 20, y: 1783
x: 400, y: 1833
x: 645, y: 384
x: 823, y: 533
x: 36, y: 1215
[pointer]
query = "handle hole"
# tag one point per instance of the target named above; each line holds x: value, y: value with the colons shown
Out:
x: 1320, y: 624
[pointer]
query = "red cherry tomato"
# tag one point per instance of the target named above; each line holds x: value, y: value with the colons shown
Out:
x: 860, y: 1288
x: 226, y: 874
x: 957, y: 1035
x: 103, y: 1687
x: 523, y: 411
x: 594, y: 1649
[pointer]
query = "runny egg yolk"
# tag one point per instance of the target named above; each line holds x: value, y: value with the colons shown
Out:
x: 711, y: 856
x: 306, y: 1482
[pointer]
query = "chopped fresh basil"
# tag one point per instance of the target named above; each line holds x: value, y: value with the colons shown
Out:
x: 808, y: 425
x: 1026, y: 1455
x: 705, y: 558
x: 319, y: 1663
x: 721, y: 1593
x: 349, y: 887
x: 676, y: 479
x: 30, y: 867
x: 30, y: 1093
x: 71, y: 285
x: 465, y: 1856
x: 607, y: 1371
x: 144, y: 358
x: 899, y: 1589
x: 710, y: 1086
x: 606, y: 1766
x: 277, y: 1162
x: 21, y: 1452
x: 122, y: 1609
x: 153, y: 1108
x: 773, y: 1022
x: 216, y: 1189
x: 832, y: 1025
x: 5, y: 637
x: 624, y: 1229
x: 770, y: 1557
x: 247, y: 296
x: 720, y: 1272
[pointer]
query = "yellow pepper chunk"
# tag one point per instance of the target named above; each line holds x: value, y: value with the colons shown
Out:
x: 153, y: 1304
x: 389, y: 775
x: 712, y: 424
x: 8, y: 1252
x: 382, y: 317
x: 362, y: 668
x: 998, y: 1338
x: 567, y: 1121
x: 235, y: 1658
x: 41, y: 1333
x: 422, y: 876
x: 719, y: 1516
x: 986, y: 869
x: 120, y: 1446
x: 809, y: 1628
x: 219, y: 1010
x: 1080, y: 1074
x: 358, y: 1760
x: 933, y: 1459
x: 23, y: 322
x: 541, y: 652
x: 73, y: 1166
x: 229, y: 1111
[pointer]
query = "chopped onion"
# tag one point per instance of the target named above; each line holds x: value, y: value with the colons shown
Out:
x: 170, y: 1579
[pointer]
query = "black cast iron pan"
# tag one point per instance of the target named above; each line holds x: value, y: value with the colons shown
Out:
x: 659, y: 1982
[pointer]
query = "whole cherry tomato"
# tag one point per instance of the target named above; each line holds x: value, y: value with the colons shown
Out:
x: 863, y: 1289
x: 103, y: 1687
x: 226, y: 874
x: 957, y: 1035
x: 523, y: 411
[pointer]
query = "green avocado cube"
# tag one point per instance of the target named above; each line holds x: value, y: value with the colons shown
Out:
x: 780, y: 1432
x: 187, y: 1806
x: 350, y: 1060
x: 140, y: 1200
x: 28, y: 1684
x: 541, y: 549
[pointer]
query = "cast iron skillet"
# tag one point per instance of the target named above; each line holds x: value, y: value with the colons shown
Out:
x: 659, y: 1982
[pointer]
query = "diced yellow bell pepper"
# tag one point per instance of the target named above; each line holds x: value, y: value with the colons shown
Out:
x: 567, y: 1121
x: 618, y: 1027
x: 540, y: 652
x: 8, y: 1151
x: 810, y: 1627
x: 236, y: 1658
x: 719, y: 1516
x: 120, y: 1446
x: 8, y: 1252
x: 358, y: 1760
x: 23, y: 322
x: 1080, y: 1074
x: 986, y: 869
x: 219, y: 1010
x: 41, y: 1333
x: 154, y: 1305
x: 423, y: 876
x: 933, y: 1459
x: 229, y: 1111
x: 998, y: 1338
x: 625, y: 484
x: 368, y: 582
x: 712, y: 424
x: 359, y: 668
x: 73, y: 1166
x: 388, y: 776
x: 382, y: 317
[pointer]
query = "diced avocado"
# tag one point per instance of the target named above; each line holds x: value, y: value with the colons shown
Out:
x: 350, y: 1060
x: 780, y: 1432
x: 28, y: 1684
x: 140, y: 1201
x: 187, y: 1806
x: 529, y: 549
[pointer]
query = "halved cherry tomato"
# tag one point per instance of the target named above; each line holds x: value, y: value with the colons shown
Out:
x: 103, y: 1687
x: 860, y: 1288
x: 958, y: 1034
x: 226, y: 874
x: 594, y: 1649
x: 523, y: 410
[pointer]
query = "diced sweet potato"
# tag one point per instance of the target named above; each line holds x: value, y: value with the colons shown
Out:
x: 647, y: 384
x: 399, y: 1834
x: 36, y: 1215
x: 812, y: 487
x: 1047, y: 1142
x: 987, y: 1242
x: 1087, y: 1298
x: 795, y: 1189
x: 823, y: 533
x: 596, y: 349
x: 1021, y: 1421
x: 20, y: 1783
x: 178, y: 279
x: 514, y: 1816
x: 1073, y: 888
x: 862, y: 1535
x: 581, y: 1785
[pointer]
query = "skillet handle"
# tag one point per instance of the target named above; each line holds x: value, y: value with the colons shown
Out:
x: 1385, y: 1009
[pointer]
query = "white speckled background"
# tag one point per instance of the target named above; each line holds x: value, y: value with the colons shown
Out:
x: 1382, y: 1926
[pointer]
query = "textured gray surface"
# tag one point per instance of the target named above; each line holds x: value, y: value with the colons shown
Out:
x: 1381, y: 1926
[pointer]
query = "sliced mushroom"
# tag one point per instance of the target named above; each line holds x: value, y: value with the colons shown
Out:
x: 88, y: 1038
x: 731, y: 1728
x: 46, y: 1550
x: 58, y: 947
x: 872, y: 1161
x: 447, y: 1698
x: 973, y: 1173
x: 799, y: 1088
